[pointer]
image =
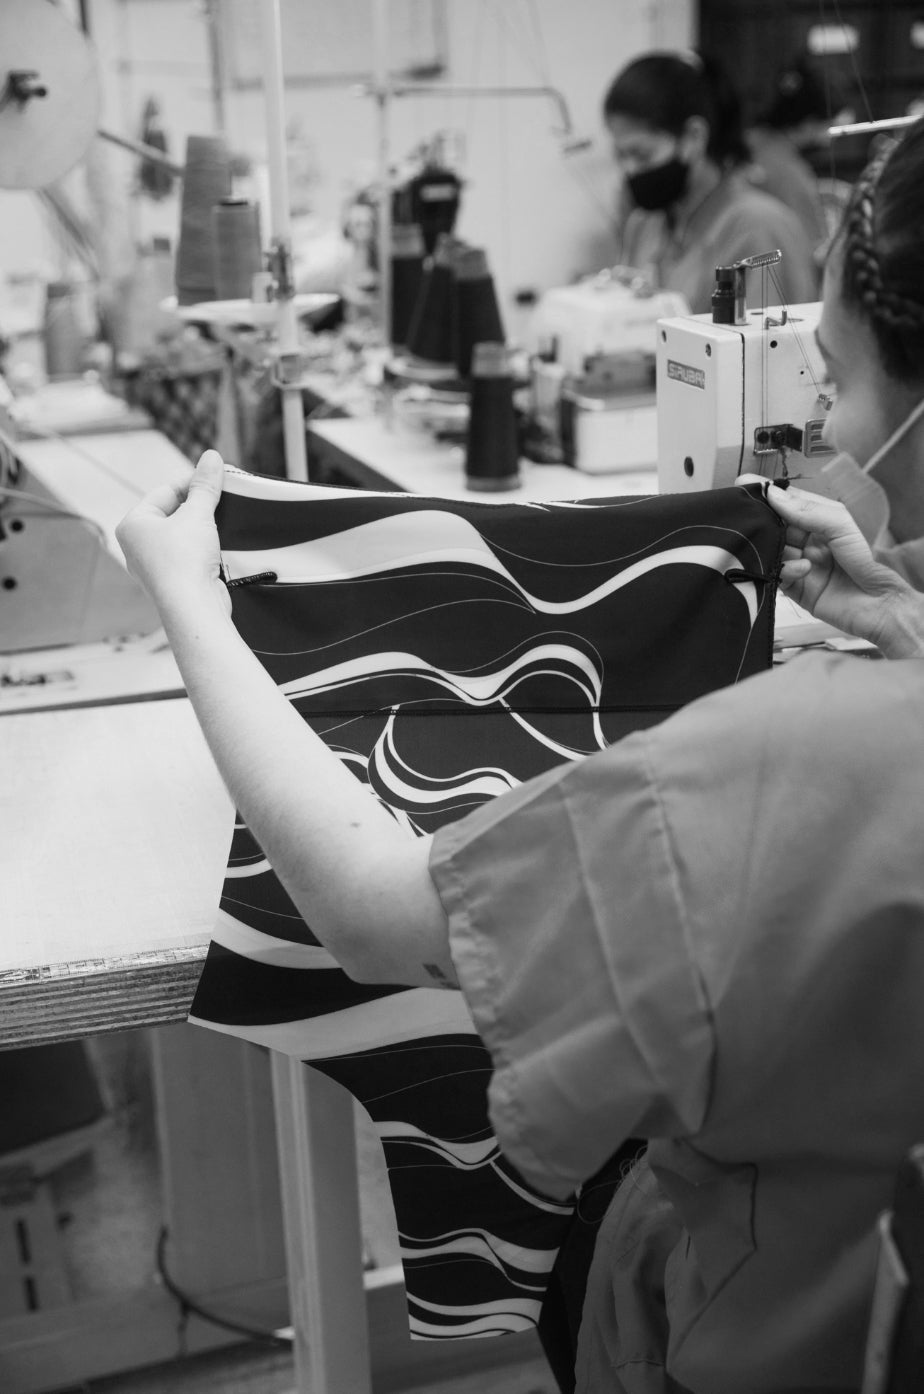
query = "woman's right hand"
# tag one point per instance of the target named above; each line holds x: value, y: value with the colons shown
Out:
x: 829, y: 569
x: 170, y: 541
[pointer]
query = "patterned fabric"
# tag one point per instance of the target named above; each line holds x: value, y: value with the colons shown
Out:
x: 449, y: 651
x: 183, y: 403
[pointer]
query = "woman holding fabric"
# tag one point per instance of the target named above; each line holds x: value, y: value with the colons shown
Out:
x: 710, y: 934
x: 678, y: 140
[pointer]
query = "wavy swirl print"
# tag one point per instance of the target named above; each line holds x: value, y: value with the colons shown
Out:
x: 447, y: 651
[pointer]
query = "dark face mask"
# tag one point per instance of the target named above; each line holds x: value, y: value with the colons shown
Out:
x: 660, y: 186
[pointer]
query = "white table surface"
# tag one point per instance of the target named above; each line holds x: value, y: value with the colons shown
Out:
x: 114, y: 834
x: 104, y: 475
x: 419, y: 465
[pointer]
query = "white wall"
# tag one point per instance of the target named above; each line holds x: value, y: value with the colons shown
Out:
x: 542, y: 215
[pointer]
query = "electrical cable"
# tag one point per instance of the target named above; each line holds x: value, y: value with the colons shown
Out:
x: 796, y: 333
x: 505, y: 14
x: 853, y: 61
x: 540, y: 65
x: 542, y: 68
x: 46, y: 433
x: 469, y: 113
x: 50, y: 509
x: 542, y: 52
x: 504, y: 152
x: 826, y: 77
x: 190, y: 1307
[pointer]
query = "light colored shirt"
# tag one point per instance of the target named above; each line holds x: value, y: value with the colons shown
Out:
x: 734, y: 221
x: 779, y: 170
x: 712, y: 935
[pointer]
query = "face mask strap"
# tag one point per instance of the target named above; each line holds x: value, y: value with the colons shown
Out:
x: 897, y: 435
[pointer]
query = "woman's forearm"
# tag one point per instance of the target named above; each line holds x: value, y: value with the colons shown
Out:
x: 356, y: 876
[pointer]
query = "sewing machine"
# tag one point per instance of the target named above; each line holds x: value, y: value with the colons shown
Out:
x: 593, y: 369
x: 736, y: 398
x: 75, y: 627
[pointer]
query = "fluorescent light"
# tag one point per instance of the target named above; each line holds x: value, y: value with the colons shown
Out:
x: 827, y: 39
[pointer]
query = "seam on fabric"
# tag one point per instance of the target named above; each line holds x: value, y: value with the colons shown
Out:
x: 680, y: 913
x: 466, y: 712
x: 478, y: 953
x: 639, y: 1045
x: 508, y: 1098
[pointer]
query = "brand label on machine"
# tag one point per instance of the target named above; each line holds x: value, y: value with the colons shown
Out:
x: 682, y: 372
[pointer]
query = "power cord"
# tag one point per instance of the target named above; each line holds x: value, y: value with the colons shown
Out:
x: 189, y: 1307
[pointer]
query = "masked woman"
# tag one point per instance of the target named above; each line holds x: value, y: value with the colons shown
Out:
x: 678, y: 141
x: 710, y: 935
x: 875, y: 275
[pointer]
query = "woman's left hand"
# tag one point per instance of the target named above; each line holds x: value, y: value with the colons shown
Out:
x: 829, y: 569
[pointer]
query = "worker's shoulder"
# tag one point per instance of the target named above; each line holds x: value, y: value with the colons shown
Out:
x: 874, y: 703
x: 820, y: 701
x: 747, y: 208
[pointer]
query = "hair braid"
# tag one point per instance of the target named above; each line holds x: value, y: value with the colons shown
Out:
x: 896, y: 317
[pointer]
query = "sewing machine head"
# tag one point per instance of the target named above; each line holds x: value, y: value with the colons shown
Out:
x: 593, y: 370
x: 612, y: 313
x: 736, y: 398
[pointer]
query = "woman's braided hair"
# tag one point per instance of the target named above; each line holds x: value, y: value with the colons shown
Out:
x: 882, y: 241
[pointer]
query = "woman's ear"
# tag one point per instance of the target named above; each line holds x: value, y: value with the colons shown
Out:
x: 694, y: 139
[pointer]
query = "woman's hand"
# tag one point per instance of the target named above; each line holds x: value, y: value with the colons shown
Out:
x: 829, y: 569
x: 170, y: 540
x: 355, y: 874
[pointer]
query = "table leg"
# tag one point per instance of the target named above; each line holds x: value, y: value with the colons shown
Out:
x: 320, y: 1204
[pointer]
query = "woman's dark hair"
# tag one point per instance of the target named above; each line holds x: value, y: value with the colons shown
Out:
x: 665, y: 89
x: 882, y: 274
x: 800, y: 93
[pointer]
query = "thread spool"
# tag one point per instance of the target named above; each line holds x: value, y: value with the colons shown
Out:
x: 236, y: 247
x: 64, y: 339
x: 407, y: 271
x: 206, y: 181
x: 477, y: 313
x: 724, y: 296
x: 431, y: 333
x: 434, y: 196
x: 492, y: 458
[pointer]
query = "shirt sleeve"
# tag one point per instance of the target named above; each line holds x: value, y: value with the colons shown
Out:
x: 567, y: 932
x: 657, y: 940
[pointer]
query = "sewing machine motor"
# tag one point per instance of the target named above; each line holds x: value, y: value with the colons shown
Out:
x: 740, y: 398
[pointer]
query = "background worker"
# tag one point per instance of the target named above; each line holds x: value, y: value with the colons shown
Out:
x: 793, y: 127
x: 677, y: 137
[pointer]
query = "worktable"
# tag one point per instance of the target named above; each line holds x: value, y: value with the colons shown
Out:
x: 373, y: 453
x: 114, y: 831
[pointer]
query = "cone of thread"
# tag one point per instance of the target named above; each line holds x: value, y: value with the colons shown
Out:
x: 206, y: 181
x: 236, y: 247
x: 477, y: 313
x: 491, y: 451
x: 431, y: 333
x: 407, y: 271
